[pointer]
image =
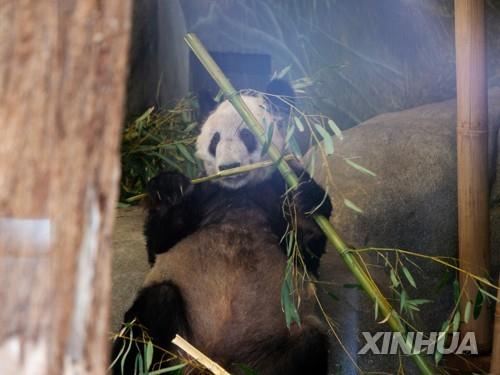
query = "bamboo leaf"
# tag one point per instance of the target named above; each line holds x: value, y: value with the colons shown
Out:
x: 402, y: 301
x: 167, y: 369
x: 376, y: 310
x: 409, y: 277
x: 467, y: 311
x: 478, y: 304
x: 183, y: 150
x: 283, y: 72
x: 269, y: 140
x: 148, y: 355
x: 298, y: 123
x: 352, y: 206
x: 327, y: 139
x: 456, y: 290
x: 394, y: 279
x: 456, y: 321
x: 359, y: 167
x: 336, y: 130
x: 289, y: 134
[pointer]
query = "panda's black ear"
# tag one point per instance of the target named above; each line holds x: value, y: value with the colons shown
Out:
x: 280, y: 87
x: 206, y: 104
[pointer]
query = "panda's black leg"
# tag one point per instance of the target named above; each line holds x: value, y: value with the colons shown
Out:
x: 174, y: 211
x: 158, y: 314
x: 302, y: 350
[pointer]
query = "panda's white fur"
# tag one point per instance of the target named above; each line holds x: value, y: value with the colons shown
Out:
x: 227, y: 122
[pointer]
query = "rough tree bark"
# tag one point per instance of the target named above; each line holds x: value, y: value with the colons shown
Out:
x: 62, y: 81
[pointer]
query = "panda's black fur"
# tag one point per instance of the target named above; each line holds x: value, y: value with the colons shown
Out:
x: 218, y: 266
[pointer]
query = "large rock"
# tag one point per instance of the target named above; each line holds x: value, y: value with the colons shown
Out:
x: 410, y: 204
x: 130, y: 265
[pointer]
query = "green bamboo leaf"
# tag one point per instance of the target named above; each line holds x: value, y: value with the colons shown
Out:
x: 486, y: 293
x: 402, y: 301
x: 183, y: 150
x: 359, y: 167
x: 456, y: 290
x: 139, y: 365
x: 409, y: 277
x: 336, y: 130
x: 376, y: 309
x: 219, y: 96
x: 124, y: 357
x: 394, y: 279
x: 443, y: 332
x: 148, y: 355
x: 298, y: 123
x: 478, y: 304
x: 467, y: 311
x: 352, y: 206
x: 167, y: 369
x: 283, y: 72
x: 269, y: 140
x: 289, y: 134
x: 456, y: 321
x: 295, y: 148
x: 145, y: 115
x: 327, y: 139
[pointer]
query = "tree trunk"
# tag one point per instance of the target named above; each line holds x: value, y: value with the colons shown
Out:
x: 62, y: 81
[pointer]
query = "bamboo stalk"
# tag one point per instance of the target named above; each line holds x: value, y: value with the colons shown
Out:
x: 472, y: 157
x: 349, y: 258
x: 198, y: 356
x: 221, y: 174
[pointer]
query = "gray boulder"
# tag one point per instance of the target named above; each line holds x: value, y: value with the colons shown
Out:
x: 409, y: 204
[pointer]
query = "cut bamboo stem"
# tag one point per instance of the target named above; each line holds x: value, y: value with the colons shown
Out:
x: 472, y: 157
x: 349, y: 258
x: 198, y: 356
x: 225, y: 173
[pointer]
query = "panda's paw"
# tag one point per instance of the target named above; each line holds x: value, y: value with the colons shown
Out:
x: 310, y: 198
x: 169, y: 189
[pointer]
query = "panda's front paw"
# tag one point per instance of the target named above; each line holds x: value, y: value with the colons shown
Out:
x: 310, y: 198
x: 169, y: 189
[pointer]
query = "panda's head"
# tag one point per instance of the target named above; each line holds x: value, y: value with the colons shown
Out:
x: 226, y: 142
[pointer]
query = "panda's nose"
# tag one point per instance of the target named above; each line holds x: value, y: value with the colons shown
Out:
x: 223, y: 167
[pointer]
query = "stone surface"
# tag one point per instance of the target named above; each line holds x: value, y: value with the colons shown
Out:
x: 129, y: 264
x: 410, y: 204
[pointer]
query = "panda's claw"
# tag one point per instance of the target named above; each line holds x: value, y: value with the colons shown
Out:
x: 169, y: 188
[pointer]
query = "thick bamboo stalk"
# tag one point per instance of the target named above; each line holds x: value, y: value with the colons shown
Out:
x: 472, y: 155
x: 495, y: 352
x: 349, y: 258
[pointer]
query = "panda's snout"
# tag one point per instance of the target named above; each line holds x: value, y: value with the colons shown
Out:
x: 223, y: 167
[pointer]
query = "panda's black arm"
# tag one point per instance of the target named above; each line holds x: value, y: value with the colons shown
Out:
x: 174, y: 211
x: 308, y: 198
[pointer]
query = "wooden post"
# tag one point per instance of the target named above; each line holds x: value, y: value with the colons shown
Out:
x: 62, y: 83
x: 472, y: 155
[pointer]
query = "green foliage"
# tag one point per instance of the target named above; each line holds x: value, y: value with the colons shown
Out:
x: 158, y: 140
x: 145, y: 352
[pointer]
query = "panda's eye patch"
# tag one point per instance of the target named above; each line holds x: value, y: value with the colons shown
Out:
x: 248, y: 139
x: 213, y: 143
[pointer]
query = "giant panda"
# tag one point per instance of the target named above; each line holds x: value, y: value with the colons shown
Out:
x: 218, y: 255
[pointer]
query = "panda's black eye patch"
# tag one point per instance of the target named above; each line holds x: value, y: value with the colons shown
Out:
x: 248, y: 139
x: 213, y: 143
